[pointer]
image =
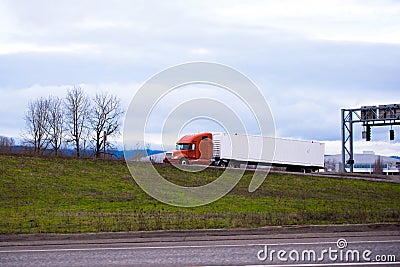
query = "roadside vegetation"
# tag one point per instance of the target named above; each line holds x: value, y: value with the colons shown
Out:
x: 65, y: 195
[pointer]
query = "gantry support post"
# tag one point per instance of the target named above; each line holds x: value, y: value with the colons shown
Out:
x: 347, y: 139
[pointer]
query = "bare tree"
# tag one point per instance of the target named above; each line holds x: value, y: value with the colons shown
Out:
x: 56, y: 126
x: 36, y: 123
x: 105, y: 119
x: 378, y: 166
x: 77, y: 107
x: 139, y: 152
x: 6, y: 144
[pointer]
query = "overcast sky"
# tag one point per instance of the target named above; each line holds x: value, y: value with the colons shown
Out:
x: 309, y: 58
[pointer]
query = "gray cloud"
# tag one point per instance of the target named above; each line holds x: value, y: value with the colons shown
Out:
x: 306, y: 78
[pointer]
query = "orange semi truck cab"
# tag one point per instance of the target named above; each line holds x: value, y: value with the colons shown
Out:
x: 192, y: 149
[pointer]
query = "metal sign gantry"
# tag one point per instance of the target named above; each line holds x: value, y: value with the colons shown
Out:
x: 382, y: 115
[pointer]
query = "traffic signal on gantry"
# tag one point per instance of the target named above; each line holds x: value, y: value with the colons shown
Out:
x: 368, y: 133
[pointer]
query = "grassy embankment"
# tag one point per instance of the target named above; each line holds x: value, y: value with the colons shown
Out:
x: 70, y: 195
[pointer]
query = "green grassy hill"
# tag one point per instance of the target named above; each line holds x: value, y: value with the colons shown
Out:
x: 70, y: 195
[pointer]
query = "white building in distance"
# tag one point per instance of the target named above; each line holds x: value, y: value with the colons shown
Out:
x: 367, y: 162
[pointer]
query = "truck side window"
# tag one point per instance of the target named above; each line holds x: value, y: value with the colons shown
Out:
x: 204, y: 138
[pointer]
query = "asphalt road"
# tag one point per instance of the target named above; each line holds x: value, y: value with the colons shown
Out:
x: 308, y: 246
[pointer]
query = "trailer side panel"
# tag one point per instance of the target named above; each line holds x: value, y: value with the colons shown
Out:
x: 261, y: 149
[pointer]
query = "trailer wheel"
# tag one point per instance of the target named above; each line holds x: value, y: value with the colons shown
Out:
x: 234, y: 164
x: 184, y: 161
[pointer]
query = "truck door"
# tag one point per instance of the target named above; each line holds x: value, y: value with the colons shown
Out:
x: 205, y: 148
x: 192, y: 151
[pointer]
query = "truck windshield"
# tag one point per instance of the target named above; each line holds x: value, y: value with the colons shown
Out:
x: 182, y: 146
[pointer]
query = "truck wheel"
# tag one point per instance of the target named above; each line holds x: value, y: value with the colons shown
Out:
x: 222, y: 163
x: 184, y: 161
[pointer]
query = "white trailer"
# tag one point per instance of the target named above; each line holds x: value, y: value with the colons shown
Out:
x: 295, y: 155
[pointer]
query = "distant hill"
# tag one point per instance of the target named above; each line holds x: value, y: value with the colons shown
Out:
x: 132, y: 153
